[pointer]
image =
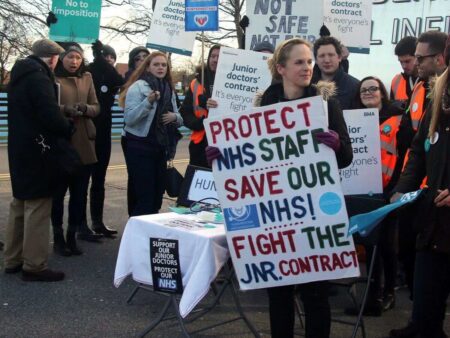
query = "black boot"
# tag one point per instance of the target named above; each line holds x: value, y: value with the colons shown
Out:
x: 100, y: 228
x: 97, y: 217
x: 59, y: 245
x: 86, y: 234
x: 72, y: 244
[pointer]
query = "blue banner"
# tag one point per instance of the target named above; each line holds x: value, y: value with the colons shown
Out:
x: 202, y: 15
x: 365, y: 223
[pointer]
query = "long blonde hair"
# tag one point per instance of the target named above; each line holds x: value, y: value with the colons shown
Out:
x: 436, y: 96
x: 141, y: 70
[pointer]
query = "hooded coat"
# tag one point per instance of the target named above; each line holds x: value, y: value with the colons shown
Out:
x: 34, y: 122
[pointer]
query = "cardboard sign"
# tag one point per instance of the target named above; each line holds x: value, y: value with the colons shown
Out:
x: 274, y: 21
x: 281, y: 196
x: 167, y: 30
x: 78, y: 20
x: 202, y: 15
x: 363, y: 176
x: 165, y: 265
x: 350, y: 22
x: 240, y: 75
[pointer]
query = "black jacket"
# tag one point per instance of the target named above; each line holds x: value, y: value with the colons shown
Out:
x: 347, y: 87
x: 336, y: 122
x: 107, y: 82
x: 34, y: 122
x: 431, y: 223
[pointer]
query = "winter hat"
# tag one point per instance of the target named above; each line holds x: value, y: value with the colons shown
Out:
x: 71, y: 47
x: 264, y: 46
x: 447, y: 51
x: 46, y: 48
x: 108, y: 50
x: 135, y: 51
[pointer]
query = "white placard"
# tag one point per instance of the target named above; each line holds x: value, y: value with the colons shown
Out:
x: 350, y: 22
x: 281, y: 196
x: 240, y: 75
x: 202, y: 186
x: 363, y: 176
x: 275, y: 21
x: 167, y: 32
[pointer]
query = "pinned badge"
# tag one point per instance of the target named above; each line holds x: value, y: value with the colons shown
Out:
x: 104, y: 89
x: 427, y: 144
x: 434, y: 138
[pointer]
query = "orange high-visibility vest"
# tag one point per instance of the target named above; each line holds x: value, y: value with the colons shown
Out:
x: 416, y: 105
x: 197, y: 90
x: 389, y: 154
x: 398, y: 87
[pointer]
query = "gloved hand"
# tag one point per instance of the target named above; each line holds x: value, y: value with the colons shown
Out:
x: 97, y: 47
x: 82, y: 107
x: 71, y: 110
x: 244, y: 22
x: 329, y: 138
x: 212, y: 153
x: 51, y: 18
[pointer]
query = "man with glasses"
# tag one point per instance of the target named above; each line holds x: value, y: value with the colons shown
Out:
x: 430, y: 62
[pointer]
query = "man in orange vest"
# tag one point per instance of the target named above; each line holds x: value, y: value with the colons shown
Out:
x: 194, y: 109
x: 403, y: 83
x: 430, y: 62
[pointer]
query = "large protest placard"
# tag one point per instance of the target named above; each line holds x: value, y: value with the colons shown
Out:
x: 274, y: 21
x: 167, y: 30
x: 240, y: 75
x: 77, y: 20
x: 363, y: 176
x: 202, y: 15
x: 350, y: 22
x: 281, y: 196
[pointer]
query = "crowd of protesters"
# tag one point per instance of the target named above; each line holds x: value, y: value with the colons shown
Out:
x: 59, y: 119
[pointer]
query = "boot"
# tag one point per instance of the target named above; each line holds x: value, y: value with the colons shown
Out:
x: 72, y: 244
x: 46, y: 275
x: 59, y: 245
x: 86, y: 234
x: 100, y: 228
x: 97, y: 218
x: 388, y: 301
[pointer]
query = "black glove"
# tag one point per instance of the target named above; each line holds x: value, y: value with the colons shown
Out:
x: 324, y: 31
x: 51, y: 18
x: 202, y: 101
x: 244, y: 22
x: 71, y: 110
x: 97, y: 47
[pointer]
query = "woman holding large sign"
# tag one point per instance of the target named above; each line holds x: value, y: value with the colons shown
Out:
x: 292, y: 65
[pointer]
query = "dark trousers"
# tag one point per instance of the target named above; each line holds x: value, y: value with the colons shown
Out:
x: 314, y: 297
x: 131, y: 194
x: 146, y: 172
x: 385, y: 261
x: 407, y: 245
x: 98, y: 175
x: 78, y: 188
x: 431, y: 290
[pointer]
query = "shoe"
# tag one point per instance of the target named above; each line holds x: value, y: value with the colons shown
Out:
x: 46, y: 275
x: 388, y: 301
x: 72, y: 244
x: 102, y: 229
x: 86, y: 234
x: 409, y: 331
x: 373, y: 308
x: 14, y: 269
x: 59, y: 245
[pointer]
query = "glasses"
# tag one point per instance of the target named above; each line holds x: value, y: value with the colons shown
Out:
x: 420, y: 58
x: 369, y: 90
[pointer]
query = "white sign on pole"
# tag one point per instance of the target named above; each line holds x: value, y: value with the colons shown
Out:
x: 350, y: 22
x: 281, y: 196
x: 167, y: 30
x: 363, y: 176
x: 274, y: 21
x: 240, y: 75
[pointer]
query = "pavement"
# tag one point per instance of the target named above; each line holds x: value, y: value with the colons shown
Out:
x: 86, y: 304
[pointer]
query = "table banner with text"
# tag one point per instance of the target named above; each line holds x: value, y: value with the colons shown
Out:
x: 274, y: 21
x: 240, y: 75
x: 363, y: 176
x: 167, y: 30
x: 281, y: 196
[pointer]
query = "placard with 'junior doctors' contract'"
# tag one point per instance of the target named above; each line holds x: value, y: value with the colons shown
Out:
x: 281, y: 196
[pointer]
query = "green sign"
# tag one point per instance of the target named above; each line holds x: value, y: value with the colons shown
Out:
x: 77, y: 20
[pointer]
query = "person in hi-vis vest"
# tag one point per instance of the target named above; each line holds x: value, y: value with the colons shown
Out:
x: 194, y: 109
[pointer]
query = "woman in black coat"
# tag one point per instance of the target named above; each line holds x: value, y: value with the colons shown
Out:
x: 292, y: 64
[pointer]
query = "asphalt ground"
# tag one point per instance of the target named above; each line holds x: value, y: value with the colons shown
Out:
x: 86, y: 304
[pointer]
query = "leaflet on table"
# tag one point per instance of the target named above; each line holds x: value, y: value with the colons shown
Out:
x: 281, y: 196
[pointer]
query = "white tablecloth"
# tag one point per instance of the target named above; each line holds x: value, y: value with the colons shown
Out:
x: 202, y: 254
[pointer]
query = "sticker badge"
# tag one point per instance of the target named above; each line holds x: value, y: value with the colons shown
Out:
x: 427, y: 144
x: 434, y: 138
x: 239, y: 218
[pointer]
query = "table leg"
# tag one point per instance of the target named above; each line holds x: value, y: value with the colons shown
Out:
x: 158, y: 320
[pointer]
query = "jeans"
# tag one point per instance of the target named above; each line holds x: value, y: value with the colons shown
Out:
x: 131, y: 194
x: 314, y: 297
x: 146, y: 171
